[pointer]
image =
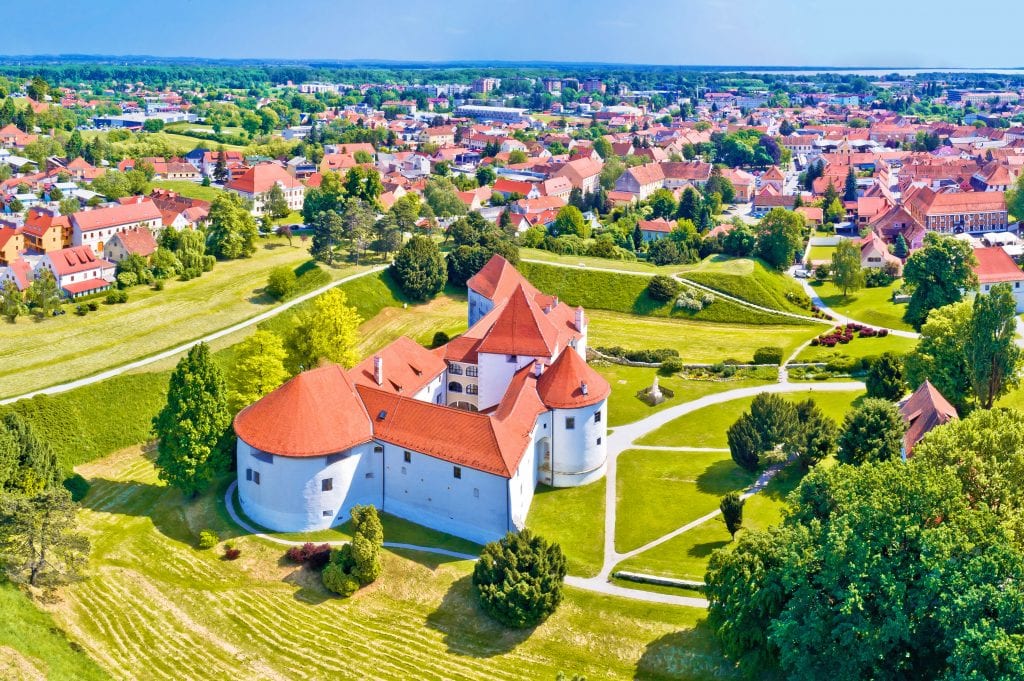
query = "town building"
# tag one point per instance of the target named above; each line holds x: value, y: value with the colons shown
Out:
x: 455, y: 438
x: 958, y: 212
x: 995, y: 266
x: 93, y: 228
x: 925, y: 409
x: 254, y: 184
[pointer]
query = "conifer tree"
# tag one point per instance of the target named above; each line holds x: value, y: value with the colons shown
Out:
x: 192, y: 429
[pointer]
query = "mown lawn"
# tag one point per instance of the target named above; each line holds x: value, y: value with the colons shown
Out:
x: 660, y: 491
x: 706, y: 427
x: 573, y: 517
x: 640, y: 266
x: 686, y: 556
x: 58, y: 349
x: 157, y: 607
x: 858, y: 347
x: 697, y: 342
x: 749, y: 280
x: 821, y: 254
x: 190, y: 189
x: 869, y: 305
x: 32, y: 647
x: 617, y: 292
x: 625, y: 407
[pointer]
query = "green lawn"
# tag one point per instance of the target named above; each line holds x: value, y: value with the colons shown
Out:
x: 749, y: 280
x: 859, y: 347
x: 625, y: 407
x: 821, y: 254
x: 190, y: 189
x: 573, y: 517
x: 869, y: 305
x: 616, y: 292
x: 686, y: 556
x: 640, y: 266
x: 32, y: 647
x: 706, y: 427
x: 697, y: 342
x: 59, y: 349
x: 661, y: 491
x: 155, y: 603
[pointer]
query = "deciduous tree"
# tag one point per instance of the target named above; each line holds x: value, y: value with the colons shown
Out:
x: 232, y: 231
x: 258, y: 369
x: 993, y: 356
x: 847, y: 274
x: 39, y: 541
x: 938, y: 274
x: 779, y: 237
x: 328, y: 331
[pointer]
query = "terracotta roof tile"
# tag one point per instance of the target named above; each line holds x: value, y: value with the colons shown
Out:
x: 570, y: 383
x: 407, y: 367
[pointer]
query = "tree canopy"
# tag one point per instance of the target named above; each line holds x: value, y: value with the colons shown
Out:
x: 938, y: 275
x: 519, y: 579
x: 419, y: 268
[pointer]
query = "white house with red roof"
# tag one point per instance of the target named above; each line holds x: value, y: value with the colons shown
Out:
x: 78, y: 270
x: 253, y: 185
x: 455, y: 438
x: 995, y: 266
x: 94, y: 227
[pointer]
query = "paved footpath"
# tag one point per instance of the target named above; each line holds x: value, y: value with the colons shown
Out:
x: 184, y: 347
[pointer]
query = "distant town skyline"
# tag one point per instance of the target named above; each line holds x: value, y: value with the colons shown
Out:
x: 874, y: 33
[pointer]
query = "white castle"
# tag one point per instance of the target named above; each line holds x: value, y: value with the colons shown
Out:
x: 455, y: 438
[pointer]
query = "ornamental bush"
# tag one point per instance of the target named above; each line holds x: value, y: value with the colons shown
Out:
x: 282, y: 282
x: 313, y: 556
x: 663, y: 288
x: 357, y: 562
x: 519, y: 579
x: 670, y: 366
x: 769, y: 354
x: 208, y: 539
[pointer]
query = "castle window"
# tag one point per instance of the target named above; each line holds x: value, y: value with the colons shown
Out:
x: 455, y: 387
x: 598, y: 440
x: 248, y: 474
x: 378, y: 449
x: 327, y: 484
x: 512, y: 358
x: 597, y: 416
x: 369, y: 476
x: 454, y: 370
x: 327, y: 514
x: 476, y: 491
x: 472, y: 389
x: 570, y: 422
x: 472, y: 371
x: 457, y: 472
x: 256, y: 477
x: 407, y: 457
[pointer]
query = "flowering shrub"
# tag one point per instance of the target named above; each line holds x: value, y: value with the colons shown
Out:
x: 314, y: 556
x: 841, y: 335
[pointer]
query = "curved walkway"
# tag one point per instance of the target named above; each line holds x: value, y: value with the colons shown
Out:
x: 840, y: 318
x: 124, y: 368
x: 578, y: 582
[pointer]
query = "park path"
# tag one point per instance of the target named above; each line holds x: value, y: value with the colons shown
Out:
x: 840, y: 319
x: 184, y: 347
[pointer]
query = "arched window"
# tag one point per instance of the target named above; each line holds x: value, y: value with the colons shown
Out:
x: 454, y: 370
x: 455, y: 387
x: 472, y: 370
x: 471, y: 389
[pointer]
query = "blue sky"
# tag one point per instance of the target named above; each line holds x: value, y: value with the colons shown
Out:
x: 939, y: 33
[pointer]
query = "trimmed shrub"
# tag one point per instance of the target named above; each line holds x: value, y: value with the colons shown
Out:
x: 208, y: 539
x: 647, y: 356
x: 117, y: 297
x: 769, y: 354
x: 670, y: 366
x: 231, y: 552
x: 337, y: 580
x: 282, y: 282
x: 663, y: 288
x: 519, y: 579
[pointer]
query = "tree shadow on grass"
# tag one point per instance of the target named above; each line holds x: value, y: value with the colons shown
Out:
x: 723, y: 476
x: 687, y: 654
x: 261, y: 297
x: 705, y: 549
x: 162, y: 505
x: 466, y: 627
x: 310, y: 589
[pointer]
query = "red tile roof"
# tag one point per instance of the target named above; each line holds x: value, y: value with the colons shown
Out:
x: 76, y: 259
x: 995, y: 266
x: 78, y: 287
x: 114, y: 216
x: 660, y: 225
x: 314, y: 414
x: 260, y: 178
x: 922, y: 411
x: 520, y: 329
x: 138, y: 241
x: 407, y: 367
x: 498, y: 279
x: 570, y: 383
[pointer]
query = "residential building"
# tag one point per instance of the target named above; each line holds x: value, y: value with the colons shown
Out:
x: 253, y: 185
x: 924, y: 410
x: 132, y: 242
x: 93, y: 228
x: 78, y: 271
x: 957, y: 212
x: 995, y: 266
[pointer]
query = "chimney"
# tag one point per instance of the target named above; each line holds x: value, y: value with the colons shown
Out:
x: 554, y: 303
x: 378, y: 369
x: 538, y: 369
x: 580, y: 320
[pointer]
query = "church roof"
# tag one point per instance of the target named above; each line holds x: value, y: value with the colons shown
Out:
x: 922, y: 411
x: 314, y: 414
x: 569, y: 383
